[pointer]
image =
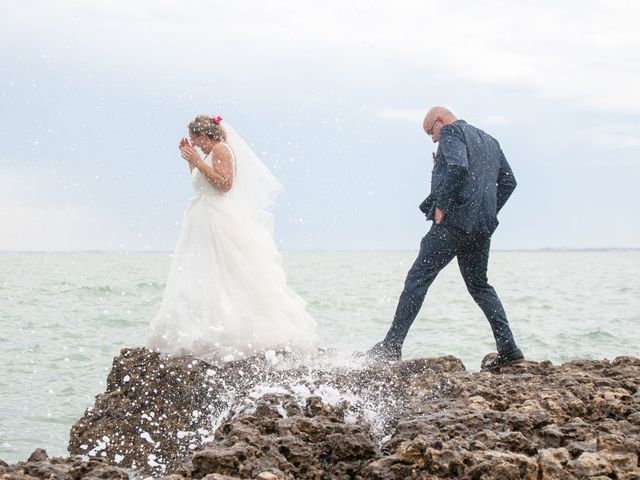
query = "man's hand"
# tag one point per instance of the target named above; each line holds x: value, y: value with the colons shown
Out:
x: 439, y: 216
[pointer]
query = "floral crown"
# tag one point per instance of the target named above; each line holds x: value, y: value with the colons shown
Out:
x: 217, y: 120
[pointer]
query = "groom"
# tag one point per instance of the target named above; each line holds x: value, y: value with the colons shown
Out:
x: 471, y: 181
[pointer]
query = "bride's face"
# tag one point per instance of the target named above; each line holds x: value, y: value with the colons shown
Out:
x: 198, y: 140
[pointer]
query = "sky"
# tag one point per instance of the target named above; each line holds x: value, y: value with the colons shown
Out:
x: 95, y: 95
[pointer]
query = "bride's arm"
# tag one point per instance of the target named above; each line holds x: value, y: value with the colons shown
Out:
x: 221, y: 175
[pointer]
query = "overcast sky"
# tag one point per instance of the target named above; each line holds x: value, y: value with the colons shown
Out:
x: 95, y: 95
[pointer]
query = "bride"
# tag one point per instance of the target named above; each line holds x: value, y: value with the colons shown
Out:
x: 226, y: 295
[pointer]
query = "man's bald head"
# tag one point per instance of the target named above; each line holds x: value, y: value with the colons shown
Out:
x: 442, y: 113
x: 436, y: 118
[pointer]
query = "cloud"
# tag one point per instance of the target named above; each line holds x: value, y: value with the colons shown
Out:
x: 403, y: 114
x: 55, y: 227
x: 496, y: 120
x: 617, y: 136
x: 417, y: 116
x: 618, y: 141
x: 29, y: 221
x: 574, y: 51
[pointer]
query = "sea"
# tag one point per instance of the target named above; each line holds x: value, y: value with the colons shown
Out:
x: 65, y: 316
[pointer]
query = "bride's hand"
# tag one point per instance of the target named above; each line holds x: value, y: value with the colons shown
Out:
x: 189, y: 154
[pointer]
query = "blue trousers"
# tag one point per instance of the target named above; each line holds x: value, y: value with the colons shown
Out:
x: 438, y: 247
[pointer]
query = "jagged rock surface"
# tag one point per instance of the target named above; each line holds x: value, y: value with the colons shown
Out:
x: 424, y: 418
x: 156, y: 410
x: 39, y: 465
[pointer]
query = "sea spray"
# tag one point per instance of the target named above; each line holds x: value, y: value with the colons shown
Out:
x: 157, y: 410
x: 337, y: 378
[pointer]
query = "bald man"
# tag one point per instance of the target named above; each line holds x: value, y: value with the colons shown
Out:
x: 471, y: 181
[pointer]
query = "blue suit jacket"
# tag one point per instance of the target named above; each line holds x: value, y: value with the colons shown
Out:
x: 471, y: 179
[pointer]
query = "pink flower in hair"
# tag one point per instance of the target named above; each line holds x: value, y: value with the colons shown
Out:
x: 217, y: 120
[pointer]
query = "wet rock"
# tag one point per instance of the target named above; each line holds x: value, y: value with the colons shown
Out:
x: 38, y: 455
x: 157, y: 410
x: 423, y: 418
x: 303, y: 445
x: 40, y: 466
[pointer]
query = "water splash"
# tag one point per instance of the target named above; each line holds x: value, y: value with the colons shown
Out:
x: 337, y: 378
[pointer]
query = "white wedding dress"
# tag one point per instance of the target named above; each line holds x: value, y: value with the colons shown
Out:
x: 226, y: 295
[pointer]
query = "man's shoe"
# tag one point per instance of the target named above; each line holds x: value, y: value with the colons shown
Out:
x: 384, y: 351
x: 504, y: 358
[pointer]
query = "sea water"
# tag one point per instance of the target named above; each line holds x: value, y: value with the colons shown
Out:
x: 64, y: 316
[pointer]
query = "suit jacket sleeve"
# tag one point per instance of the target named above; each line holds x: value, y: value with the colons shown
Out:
x: 454, y: 151
x: 506, y: 182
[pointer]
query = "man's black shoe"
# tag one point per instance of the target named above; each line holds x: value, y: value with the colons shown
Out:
x: 504, y: 358
x: 385, y: 351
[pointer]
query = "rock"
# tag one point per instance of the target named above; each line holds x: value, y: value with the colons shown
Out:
x: 215, y: 476
x: 156, y: 410
x: 591, y: 465
x: 17, y: 476
x: 552, y: 463
x: 39, y: 466
x: 150, y: 414
x: 422, y: 418
x: 576, y: 449
x: 622, y: 463
x: 39, y: 455
x: 271, y: 475
x: 634, y: 418
x: 502, y: 465
x: 298, y: 446
x: 222, y: 461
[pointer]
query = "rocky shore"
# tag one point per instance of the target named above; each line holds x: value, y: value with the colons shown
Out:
x: 274, y: 418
